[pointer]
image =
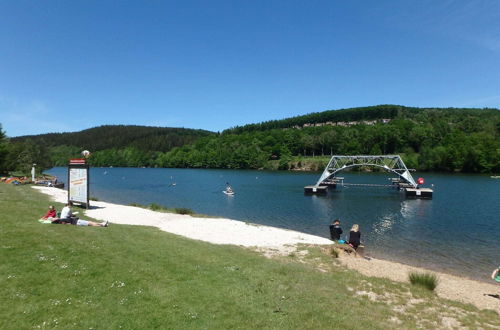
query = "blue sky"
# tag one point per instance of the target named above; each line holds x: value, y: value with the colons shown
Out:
x: 72, y: 65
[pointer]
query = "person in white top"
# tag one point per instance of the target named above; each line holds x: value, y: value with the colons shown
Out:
x: 68, y: 217
x: 66, y: 211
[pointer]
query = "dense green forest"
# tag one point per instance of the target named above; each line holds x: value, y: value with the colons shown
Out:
x: 120, y: 136
x: 420, y: 115
x: 116, y: 144
x: 429, y: 139
x: 3, y: 150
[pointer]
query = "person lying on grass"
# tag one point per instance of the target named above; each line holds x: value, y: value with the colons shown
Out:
x: 67, y: 217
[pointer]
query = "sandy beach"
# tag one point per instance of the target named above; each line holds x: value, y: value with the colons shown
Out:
x: 213, y: 230
x: 449, y: 287
x: 227, y: 231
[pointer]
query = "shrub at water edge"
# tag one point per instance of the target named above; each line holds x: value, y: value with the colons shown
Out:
x: 426, y: 280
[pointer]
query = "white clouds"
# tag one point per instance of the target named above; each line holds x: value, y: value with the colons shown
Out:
x: 27, y: 118
x: 488, y: 101
x: 472, y: 21
x: 475, y: 22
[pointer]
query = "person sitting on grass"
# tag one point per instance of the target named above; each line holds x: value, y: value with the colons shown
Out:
x: 355, y: 236
x: 51, y: 213
x: 67, y: 217
x: 335, y: 230
x: 496, y: 275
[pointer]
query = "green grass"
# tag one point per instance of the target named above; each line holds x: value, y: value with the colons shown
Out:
x: 426, y: 280
x: 134, y: 277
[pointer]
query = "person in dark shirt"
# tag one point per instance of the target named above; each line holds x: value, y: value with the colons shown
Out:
x: 335, y: 230
x: 355, y: 236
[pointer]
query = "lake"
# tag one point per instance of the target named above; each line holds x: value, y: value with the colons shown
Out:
x: 456, y: 232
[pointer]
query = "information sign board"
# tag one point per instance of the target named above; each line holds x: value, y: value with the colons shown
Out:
x: 78, y: 183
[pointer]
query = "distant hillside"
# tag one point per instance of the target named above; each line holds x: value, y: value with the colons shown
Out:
x: 146, y: 138
x: 429, y: 139
x: 348, y: 117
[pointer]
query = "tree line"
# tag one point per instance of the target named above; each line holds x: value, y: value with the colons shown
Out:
x: 368, y: 113
x: 434, y: 146
x: 119, y: 136
x: 115, y: 141
x: 452, y: 140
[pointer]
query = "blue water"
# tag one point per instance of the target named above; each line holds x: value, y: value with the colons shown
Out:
x: 457, y: 231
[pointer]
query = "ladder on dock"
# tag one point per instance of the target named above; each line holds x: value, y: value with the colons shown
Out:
x: 390, y: 163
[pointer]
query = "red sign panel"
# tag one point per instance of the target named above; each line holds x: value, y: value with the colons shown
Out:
x: 77, y: 161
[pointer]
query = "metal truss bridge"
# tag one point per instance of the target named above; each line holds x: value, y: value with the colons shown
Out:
x: 390, y: 163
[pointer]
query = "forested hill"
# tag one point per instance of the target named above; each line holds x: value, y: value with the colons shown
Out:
x: 370, y: 113
x: 428, y: 139
x: 145, y: 138
x: 116, y: 145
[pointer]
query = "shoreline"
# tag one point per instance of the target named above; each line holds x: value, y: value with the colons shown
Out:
x: 449, y: 286
x: 212, y: 230
x: 283, y: 241
x: 430, y: 268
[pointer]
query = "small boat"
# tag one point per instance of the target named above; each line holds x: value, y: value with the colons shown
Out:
x: 495, y: 176
x: 228, y: 190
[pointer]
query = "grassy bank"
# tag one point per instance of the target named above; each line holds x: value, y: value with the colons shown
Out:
x: 134, y: 277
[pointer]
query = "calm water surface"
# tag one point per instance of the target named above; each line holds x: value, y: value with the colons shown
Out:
x: 457, y: 231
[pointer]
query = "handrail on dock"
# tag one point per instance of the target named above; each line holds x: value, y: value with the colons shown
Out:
x: 368, y: 185
x: 390, y: 163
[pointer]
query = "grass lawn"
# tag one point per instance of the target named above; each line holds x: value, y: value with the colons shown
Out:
x: 133, y: 277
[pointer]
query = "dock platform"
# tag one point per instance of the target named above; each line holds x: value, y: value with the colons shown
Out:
x: 419, y: 193
x: 315, y: 190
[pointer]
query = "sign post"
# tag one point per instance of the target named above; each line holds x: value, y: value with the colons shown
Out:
x: 78, y: 181
x: 33, y: 172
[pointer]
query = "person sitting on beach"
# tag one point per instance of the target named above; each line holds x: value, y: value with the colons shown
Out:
x: 67, y: 217
x: 335, y: 230
x: 355, y: 236
x: 496, y: 275
x: 51, y: 213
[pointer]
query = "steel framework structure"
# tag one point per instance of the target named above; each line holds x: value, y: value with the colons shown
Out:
x: 390, y: 163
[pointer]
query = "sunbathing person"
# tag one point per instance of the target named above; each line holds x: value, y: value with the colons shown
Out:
x: 67, y: 217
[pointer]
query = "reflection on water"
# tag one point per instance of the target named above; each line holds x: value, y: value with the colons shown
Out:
x: 433, y: 233
x: 383, y: 225
x: 322, y: 206
x: 411, y: 208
